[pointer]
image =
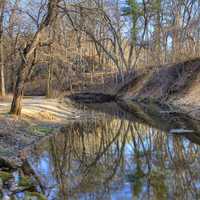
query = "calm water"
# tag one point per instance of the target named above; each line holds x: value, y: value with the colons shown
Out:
x: 119, y: 157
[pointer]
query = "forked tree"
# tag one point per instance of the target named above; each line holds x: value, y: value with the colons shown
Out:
x: 27, y: 52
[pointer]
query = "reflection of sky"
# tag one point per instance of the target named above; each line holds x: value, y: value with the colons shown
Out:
x: 119, y: 188
x: 44, y: 168
x: 124, y: 193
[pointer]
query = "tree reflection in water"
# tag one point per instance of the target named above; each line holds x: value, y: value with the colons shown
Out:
x: 114, y: 158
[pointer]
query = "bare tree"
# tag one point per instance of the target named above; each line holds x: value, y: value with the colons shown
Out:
x: 28, y: 51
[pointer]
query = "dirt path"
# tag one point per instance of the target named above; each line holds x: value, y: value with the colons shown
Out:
x: 44, y: 109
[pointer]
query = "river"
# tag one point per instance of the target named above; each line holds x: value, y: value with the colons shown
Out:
x: 116, y: 154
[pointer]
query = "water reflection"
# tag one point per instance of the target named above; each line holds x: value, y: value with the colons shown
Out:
x: 117, y: 159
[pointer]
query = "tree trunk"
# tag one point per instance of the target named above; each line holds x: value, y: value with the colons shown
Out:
x: 16, y: 106
x: 26, y: 54
x: 50, y: 74
x: 158, y: 33
x: 176, y: 34
x: 2, y: 78
x: 49, y: 81
x: 13, y: 45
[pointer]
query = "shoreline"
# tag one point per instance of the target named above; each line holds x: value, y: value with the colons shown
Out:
x: 43, y: 117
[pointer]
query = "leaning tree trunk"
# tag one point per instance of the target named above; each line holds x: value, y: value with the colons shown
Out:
x: 16, y: 106
x: 22, y: 74
x: 27, y: 53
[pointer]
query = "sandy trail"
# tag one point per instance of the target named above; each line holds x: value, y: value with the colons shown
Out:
x: 41, y: 108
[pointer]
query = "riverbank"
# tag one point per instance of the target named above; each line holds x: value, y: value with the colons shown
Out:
x: 21, y: 136
x: 177, y: 84
x: 40, y: 117
x: 141, y: 131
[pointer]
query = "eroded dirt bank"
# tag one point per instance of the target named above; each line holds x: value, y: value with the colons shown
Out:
x: 177, y: 84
